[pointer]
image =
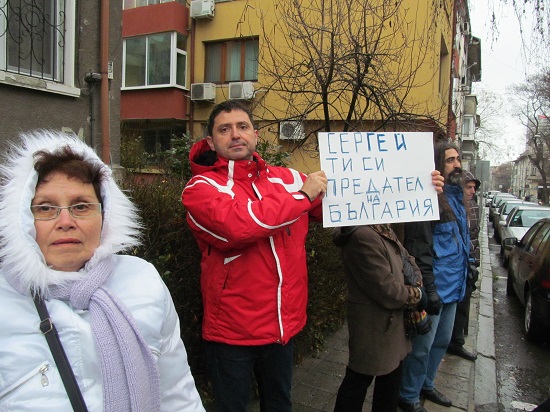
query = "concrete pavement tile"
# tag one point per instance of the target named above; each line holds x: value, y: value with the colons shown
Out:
x: 308, y: 363
x: 329, y: 383
x: 448, y: 383
x: 456, y: 366
x: 304, y: 395
x: 456, y: 389
x: 338, y: 356
x: 335, y: 369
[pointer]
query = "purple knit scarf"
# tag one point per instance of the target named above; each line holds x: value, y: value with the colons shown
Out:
x: 129, y: 370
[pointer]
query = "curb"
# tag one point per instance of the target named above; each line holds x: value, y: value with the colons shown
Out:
x: 485, y: 386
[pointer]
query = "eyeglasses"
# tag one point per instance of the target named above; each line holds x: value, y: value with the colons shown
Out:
x: 79, y: 211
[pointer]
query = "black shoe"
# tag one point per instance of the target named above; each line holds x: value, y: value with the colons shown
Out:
x: 436, y: 397
x: 463, y: 353
x: 410, y: 407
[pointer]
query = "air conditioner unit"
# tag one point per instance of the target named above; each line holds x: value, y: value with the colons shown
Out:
x: 202, y: 9
x: 203, y: 91
x: 241, y: 90
x: 291, y: 130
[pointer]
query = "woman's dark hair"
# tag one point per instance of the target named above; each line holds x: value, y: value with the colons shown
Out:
x: 66, y: 161
x: 227, y: 106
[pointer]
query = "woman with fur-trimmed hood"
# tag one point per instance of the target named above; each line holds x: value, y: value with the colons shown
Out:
x: 63, y: 222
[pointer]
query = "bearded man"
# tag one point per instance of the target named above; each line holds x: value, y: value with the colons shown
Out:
x: 448, y: 243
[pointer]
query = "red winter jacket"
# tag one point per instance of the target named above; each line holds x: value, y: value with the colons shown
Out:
x: 251, y: 223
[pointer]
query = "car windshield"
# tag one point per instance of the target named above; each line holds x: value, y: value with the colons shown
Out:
x: 508, y: 207
x: 527, y: 218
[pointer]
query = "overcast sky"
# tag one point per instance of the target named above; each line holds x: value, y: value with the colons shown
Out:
x: 502, y: 64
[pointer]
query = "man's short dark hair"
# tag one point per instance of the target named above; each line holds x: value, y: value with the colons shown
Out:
x: 227, y: 106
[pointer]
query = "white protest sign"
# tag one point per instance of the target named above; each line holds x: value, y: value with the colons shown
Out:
x: 380, y: 177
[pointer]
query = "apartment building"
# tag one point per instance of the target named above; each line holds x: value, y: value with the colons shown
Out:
x: 306, y: 67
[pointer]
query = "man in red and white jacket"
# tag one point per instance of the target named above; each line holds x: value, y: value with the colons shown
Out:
x: 250, y: 221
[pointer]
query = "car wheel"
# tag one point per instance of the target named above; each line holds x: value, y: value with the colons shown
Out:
x: 532, y: 326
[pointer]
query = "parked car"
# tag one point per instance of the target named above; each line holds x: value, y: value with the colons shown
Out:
x: 504, y: 208
x: 496, y: 202
x: 529, y: 278
x: 489, y: 196
x: 518, y: 222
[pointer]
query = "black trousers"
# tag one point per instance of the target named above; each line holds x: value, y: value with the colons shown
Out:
x: 353, y: 391
x: 543, y: 407
x: 461, y: 318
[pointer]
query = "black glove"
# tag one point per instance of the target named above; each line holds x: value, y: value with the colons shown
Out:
x: 434, y: 301
x: 423, y: 302
x: 473, y: 274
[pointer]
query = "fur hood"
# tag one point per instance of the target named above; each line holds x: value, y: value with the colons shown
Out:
x: 19, y: 252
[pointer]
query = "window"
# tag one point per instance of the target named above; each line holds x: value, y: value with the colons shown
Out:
x: 146, y: 143
x: 37, y: 41
x: 157, y: 60
x: 131, y: 4
x: 468, y: 127
x: 234, y: 60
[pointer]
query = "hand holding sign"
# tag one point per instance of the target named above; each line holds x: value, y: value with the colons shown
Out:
x: 378, y: 178
x: 315, y: 184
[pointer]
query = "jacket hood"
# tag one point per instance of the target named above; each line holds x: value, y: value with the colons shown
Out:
x: 19, y: 252
x: 469, y: 177
x: 201, y: 157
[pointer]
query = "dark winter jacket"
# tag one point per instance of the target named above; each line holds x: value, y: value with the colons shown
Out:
x: 377, y: 297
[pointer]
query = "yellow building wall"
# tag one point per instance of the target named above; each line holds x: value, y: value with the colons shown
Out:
x: 430, y: 22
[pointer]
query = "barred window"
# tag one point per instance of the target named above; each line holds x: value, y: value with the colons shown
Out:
x: 34, y: 39
x: 37, y: 40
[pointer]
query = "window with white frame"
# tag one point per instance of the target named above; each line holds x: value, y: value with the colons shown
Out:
x: 132, y: 4
x: 156, y: 60
x: 468, y: 127
x: 37, y: 40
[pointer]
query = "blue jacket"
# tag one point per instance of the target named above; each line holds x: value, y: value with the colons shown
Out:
x: 451, y: 245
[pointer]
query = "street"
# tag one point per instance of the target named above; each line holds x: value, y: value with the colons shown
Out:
x: 523, y: 367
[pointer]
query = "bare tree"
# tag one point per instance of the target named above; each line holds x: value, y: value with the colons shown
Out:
x: 352, y: 62
x: 502, y: 176
x: 488, y: 132
x: 495, y: 112
x: 534, y: 20
x: 535, y: 116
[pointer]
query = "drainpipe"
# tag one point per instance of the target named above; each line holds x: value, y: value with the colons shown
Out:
x: 104, y: 99
x: 192, y: 79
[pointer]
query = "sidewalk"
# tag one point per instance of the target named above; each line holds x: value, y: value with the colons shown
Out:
x: 470, y: 385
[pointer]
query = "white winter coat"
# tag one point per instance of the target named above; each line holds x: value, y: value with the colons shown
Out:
x: 29, y: 379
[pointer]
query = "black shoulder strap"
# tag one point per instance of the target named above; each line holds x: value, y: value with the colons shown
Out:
x: 67, y: 376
